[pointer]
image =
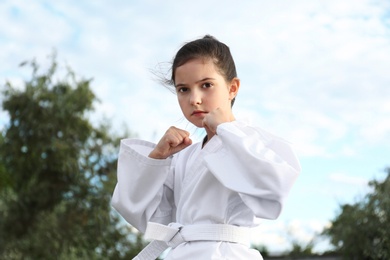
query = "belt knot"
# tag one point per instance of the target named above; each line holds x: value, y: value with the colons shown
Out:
x: 169, y: 234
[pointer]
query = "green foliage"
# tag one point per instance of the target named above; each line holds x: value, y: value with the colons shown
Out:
x: 362, y: 230
x: 262, y: 249
x: 301, y: 250
x: 57, y: 173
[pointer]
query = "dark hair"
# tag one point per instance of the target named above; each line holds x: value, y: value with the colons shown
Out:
x: 210, y: 48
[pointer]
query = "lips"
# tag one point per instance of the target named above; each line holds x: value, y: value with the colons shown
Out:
x: 198, y: 113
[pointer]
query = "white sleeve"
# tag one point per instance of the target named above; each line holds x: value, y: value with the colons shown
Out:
x: 144, y: 187
x: 259, y: 166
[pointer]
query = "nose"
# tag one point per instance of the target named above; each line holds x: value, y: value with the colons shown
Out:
x: 195, y: 98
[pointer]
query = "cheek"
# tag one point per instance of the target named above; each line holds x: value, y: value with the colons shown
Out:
x: 224, y: 97
x: 181, y: 102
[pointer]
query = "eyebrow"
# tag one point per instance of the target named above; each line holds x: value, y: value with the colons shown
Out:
x: 184, y: 85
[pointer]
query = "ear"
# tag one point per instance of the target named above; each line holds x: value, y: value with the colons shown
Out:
x: 233, y: 88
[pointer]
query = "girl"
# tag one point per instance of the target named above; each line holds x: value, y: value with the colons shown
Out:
x: 201, y: 199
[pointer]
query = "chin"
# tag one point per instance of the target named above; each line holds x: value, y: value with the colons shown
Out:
x: 197, y: 124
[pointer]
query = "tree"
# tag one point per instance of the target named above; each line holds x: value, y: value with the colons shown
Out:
x: 57, y: 173
x: 362, y: 230
x: 299, y: 250
x: 262, y: 249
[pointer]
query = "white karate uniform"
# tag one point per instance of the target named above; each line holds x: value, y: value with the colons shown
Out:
x: 242, y: 173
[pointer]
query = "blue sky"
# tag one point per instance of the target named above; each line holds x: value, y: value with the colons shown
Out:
x: 315, y: 72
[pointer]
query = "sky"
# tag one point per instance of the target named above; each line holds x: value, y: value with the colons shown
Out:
x: 315, y: 72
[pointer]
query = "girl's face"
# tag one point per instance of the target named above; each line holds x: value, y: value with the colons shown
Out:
x: 201, y: 88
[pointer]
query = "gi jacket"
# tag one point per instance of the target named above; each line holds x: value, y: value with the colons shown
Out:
x: 242, y: 173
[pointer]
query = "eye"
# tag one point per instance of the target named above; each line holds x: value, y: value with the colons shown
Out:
x: 182, y: 89
x: 207, y: 85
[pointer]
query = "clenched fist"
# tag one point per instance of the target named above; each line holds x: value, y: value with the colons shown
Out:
x: 215, y: 118
x: 173, y: 141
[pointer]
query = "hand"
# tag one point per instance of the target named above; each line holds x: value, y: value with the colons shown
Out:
x: 215, y: 118
x: 173, y: 141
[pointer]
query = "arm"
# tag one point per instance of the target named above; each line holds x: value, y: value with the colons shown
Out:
x: 259, y: 166
x: 144, y: 188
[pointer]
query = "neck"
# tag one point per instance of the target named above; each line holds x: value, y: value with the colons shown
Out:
x: 205, y: 139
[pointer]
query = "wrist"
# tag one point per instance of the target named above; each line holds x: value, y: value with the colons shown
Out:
x: 156, y: 155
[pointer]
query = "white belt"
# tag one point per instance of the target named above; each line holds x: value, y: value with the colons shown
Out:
x: 174, y: 234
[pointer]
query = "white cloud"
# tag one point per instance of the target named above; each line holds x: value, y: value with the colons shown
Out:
x: 342, y: 187
x: 348, y: 179
x: 279, y: 236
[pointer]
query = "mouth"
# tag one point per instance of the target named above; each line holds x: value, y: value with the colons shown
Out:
x: 198, y: 113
